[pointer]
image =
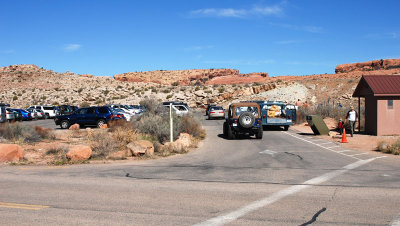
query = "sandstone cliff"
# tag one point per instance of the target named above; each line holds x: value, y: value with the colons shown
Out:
x: 369, y: 66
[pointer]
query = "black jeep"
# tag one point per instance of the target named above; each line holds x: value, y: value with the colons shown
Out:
x: 243, y: 118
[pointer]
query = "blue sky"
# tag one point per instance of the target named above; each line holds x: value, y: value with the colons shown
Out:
x: 279, y: 37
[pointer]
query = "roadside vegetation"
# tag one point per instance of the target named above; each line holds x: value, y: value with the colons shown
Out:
x: 114, y: 143
x: 385, y: 147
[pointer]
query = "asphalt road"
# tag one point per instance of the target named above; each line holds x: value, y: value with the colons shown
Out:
x: 283, y: 179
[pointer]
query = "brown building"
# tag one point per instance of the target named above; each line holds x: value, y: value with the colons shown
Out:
x: 382, y: 103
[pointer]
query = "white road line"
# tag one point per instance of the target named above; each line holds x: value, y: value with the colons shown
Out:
x: 326, y: 143
x: 234, y: 215
x: 396, y: 221
x: 331, y: 147
x: 319, y: 145
x: 360, y: 154
x: 268, y: 152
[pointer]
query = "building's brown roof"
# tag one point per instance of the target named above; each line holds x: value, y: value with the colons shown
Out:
x: 378, y: 85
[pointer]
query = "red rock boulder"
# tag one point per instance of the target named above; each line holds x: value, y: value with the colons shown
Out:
x: 11, y: 152
x: 74, y: 127
x: 79, y: 153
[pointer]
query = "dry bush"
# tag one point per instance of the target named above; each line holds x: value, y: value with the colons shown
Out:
x: 192, y: 126
x: 155, y: 122
x: 45, y: 133
x: 394, y: 148
x: 102, y: 144
x: 123, y: 136
x: 17, y: 132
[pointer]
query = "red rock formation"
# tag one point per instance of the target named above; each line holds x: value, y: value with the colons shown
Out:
x: 369, y: 66
x: 11, y: 152
x: 79, y: 153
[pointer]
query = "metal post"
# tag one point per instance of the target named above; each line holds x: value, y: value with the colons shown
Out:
x: 359, y: 114
x: 171, y: 124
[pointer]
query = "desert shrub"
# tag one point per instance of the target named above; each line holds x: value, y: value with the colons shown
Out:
x: 60, y: 150
x: 175, y: 84
x: 45, y: 133
x: 17, y: 132
x: 182, y: 89
x: 169, y: 96
x: 102, y: 144
x: 192, y: 126
x: 324, y: 110
x: 84, y: 105
x: 389, y: 148
x: 155, y: 123
x: 197, y: 88
x: 221, y: 89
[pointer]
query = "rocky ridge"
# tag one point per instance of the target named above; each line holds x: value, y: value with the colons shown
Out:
x: 24, y: 85
x: 191, y: 77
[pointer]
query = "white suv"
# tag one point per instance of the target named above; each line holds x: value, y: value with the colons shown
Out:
x: 49, y: 111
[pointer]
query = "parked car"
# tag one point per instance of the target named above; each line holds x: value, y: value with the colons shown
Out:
x: 208, y: 107
x: 95, y: 116
x: 277, y: 114
x: 216, y: 112
x: 180, y: 108
x: 3, y: 114
x: 66, y: 109
x: 126, y: 114
x: 17, y: 114
x: 243, y: 118
x: 10, y: 115
x: 33, y: 112
x: 25, y: 114
x: 49, y: 111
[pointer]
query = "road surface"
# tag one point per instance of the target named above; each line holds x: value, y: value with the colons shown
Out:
x: 283, y: 179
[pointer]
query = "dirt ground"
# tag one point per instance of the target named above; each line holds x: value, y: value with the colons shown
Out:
x: 360, y: 142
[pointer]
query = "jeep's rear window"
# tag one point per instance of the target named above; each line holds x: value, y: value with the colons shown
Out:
x: 240, y: 110
x: 102, y: 110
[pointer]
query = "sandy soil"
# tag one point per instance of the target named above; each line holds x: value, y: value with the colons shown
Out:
x: 360, y: 142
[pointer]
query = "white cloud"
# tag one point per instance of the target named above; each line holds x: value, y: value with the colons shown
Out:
x: 72, y: 47
x: 238, y: 13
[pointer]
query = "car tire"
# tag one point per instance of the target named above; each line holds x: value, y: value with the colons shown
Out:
x: 230, y: 133
x: 259, y: 133
x: 224, y: 129
x: 100, y: 123
x: 246, y: 120
x: 286, y: 128
x: 64, y: 124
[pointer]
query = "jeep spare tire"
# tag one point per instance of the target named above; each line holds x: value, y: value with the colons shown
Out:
x: 246, y: 120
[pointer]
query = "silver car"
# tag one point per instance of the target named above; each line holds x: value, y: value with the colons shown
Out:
x: 216, y: 112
